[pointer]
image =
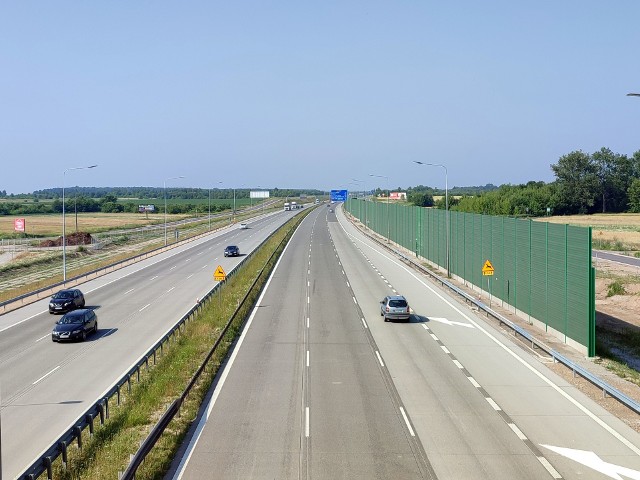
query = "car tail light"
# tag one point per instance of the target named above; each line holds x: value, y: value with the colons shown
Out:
x: 388, y: 309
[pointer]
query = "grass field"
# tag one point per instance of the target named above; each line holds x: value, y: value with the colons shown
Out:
x: 612, y: 231
x: 51, y: 225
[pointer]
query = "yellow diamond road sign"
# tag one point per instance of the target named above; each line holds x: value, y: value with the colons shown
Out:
x: 219, y: 274
x: 487, y: 268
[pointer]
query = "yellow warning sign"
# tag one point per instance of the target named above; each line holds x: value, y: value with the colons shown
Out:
x: 487, y: 268
x: 219, y: 274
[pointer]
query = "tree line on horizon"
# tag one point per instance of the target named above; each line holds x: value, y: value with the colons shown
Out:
x: 600, y: 182
x: 106, y: 199
x: 584, y: 183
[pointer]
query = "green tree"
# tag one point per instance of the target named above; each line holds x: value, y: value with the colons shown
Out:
x: 614, y: 172
x: 421, y: 199
x: 634, y: 195
x: 577, y: 183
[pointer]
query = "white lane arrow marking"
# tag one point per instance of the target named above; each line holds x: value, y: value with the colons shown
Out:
x: 449, y: 322
x: 593, y: 461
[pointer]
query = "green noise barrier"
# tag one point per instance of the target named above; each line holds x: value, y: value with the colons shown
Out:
x: 541, y: 270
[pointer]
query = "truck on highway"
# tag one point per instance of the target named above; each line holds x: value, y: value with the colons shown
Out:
x: 287, y: 206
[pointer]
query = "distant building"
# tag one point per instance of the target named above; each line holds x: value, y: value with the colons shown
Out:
x: 398, y: 196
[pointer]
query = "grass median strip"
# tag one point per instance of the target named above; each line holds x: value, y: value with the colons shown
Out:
x: 129, y: 424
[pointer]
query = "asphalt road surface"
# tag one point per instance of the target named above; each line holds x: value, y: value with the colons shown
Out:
x: 46, y: 386
x: 319, y: 387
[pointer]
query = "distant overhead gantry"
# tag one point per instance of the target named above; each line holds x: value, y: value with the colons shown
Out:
x: 633, y: 94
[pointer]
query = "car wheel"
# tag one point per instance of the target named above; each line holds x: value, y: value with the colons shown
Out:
x: 95, y: 328
x: 386, y: 319
x: 82, y: 305
x: 84, y: 335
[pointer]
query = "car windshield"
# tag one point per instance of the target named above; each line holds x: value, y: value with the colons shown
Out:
x: 63, y: 295
x: 69, y: 319
x: 397, y: 303
x: 231, y: 248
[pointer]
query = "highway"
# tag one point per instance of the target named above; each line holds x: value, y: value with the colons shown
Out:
x: 46, y: 386
x: 320, y: 387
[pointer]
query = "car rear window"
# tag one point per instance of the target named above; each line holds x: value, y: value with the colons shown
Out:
x: 397, y: 303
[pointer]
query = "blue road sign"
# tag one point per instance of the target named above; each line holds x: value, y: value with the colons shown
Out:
x: 339, y: 195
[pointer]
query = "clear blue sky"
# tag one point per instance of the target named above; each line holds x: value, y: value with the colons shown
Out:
x: 295, y: 94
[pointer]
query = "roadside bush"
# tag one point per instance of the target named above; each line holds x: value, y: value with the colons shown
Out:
x: 616, y: 288
x: 615, y: 245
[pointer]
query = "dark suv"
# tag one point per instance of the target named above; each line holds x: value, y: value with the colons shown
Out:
x: 231, y: 251
x: 66, y: 300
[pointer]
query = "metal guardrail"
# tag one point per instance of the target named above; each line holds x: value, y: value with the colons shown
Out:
x: 98, y: 271
x: 174, y: 409
x: 557, y: 357
x: 101, y: 408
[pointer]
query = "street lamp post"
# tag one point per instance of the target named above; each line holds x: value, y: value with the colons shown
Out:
x: 388, y: 194
x: 64, y: 231
x: 446, y: 205
x: 165, y: 205
x: 210, y: 207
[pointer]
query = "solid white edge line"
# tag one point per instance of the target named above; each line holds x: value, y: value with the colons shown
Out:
x: 542, y: 377
x: 545, y: 463
x: 46, y: 375
x: 203, y: 419
x: 406, y: 420
x: 379, y: 358
x: 22, y: 321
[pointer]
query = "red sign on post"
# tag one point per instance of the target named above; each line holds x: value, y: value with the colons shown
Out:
x: 19, y: 224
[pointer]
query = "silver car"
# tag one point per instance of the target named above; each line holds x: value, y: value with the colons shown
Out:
x: 395, y: 307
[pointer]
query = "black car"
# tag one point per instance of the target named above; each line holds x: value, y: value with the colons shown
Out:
x: 66, y: 300
x: 231, y: 251
x: 75, y: 325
